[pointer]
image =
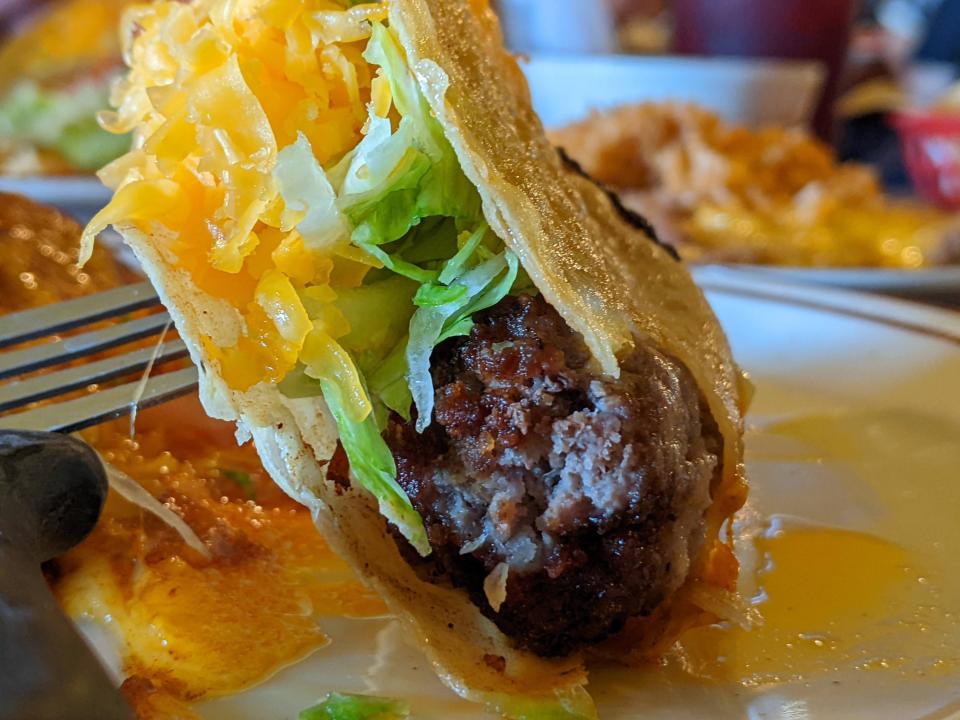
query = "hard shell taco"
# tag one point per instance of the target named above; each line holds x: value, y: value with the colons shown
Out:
x: 509, y: 407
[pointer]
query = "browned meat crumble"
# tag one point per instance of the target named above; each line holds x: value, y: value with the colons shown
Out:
x: 591, y: 490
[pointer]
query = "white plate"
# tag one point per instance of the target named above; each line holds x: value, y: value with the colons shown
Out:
x: 755, y: 92
x: 876, y: 384
x: 80, y: 196
x: 928, y: 283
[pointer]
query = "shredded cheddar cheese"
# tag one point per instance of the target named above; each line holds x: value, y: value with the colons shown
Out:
x: 216, y: 90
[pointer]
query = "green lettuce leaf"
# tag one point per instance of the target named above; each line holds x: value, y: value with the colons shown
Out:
x: 379, y: 316
x: 457, y: 265
x: 399, y: 265
x: 384, y: 51
x: 389, y: 383
x: 297, y: 385
x: 384, y: 163
x: 396, y: 180
x: 430, y: 244
x: 372, y: 464
x: 434, y: 295
x: 341, y: 706
x: 428, y: 325
x: 304, y: 187
x: 62, y: 120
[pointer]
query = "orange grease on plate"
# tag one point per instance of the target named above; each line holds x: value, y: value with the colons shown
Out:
x: 821, y: 590
x: 836, y: 603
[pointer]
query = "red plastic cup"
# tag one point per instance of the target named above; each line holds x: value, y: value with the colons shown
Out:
x: 931, y: 151
x: 787, y: 29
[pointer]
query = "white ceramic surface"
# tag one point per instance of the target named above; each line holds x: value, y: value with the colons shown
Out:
x: 884, y: 375
x: 922, y: 283
x: 568, y: 88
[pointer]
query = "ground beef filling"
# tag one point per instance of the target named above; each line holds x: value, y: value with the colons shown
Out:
x: 590, y: 490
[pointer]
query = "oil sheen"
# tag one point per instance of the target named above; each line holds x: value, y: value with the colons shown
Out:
x: 869, y: 586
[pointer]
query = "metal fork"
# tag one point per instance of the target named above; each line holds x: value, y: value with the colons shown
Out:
x: 74, y: 414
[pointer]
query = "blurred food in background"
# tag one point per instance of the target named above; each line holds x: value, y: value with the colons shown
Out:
x: 55, y: 75
x: 726, y: 193
x: 568, y: 88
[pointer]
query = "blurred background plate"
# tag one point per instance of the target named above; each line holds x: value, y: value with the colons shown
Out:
x: 756, y: 92
x: 941, y: 284
x: 81, y: 197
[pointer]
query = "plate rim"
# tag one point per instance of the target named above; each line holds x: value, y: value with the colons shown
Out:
x: 909, y: 316
x: 917, y: 281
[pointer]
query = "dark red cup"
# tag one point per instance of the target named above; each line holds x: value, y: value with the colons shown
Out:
x: 931, y: 151
x: 789, y: 29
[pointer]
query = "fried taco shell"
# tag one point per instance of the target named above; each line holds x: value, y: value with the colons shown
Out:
x: 508, y: 405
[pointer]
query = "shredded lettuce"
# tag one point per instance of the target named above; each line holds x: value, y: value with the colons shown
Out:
x: 430, y: 323
x: 458, y: 263
x: 399, y: 265
x: 389, y: 383
x: 434, y: 295
x: 384, y: 51
x: 371, y: 461
x: 385, y: 162
x: 306, y: 190
x: 397, y: 179
x: 402, y: 198
x: 379, y: 317
x: 297, y: 385
x: 341, y: 706
x: 62, y: 120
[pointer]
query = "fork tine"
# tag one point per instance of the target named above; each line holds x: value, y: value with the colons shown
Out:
x: 51, y: 319
x: 41, y: 356
x: 103, y: 405
x: 18, y: 393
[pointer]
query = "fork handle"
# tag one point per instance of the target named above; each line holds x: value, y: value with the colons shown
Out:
x: 47, y: 671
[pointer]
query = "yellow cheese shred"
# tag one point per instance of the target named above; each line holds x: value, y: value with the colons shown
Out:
x: 211, y: 102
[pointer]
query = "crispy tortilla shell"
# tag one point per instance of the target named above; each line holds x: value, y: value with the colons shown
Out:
x: 608, y: 280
